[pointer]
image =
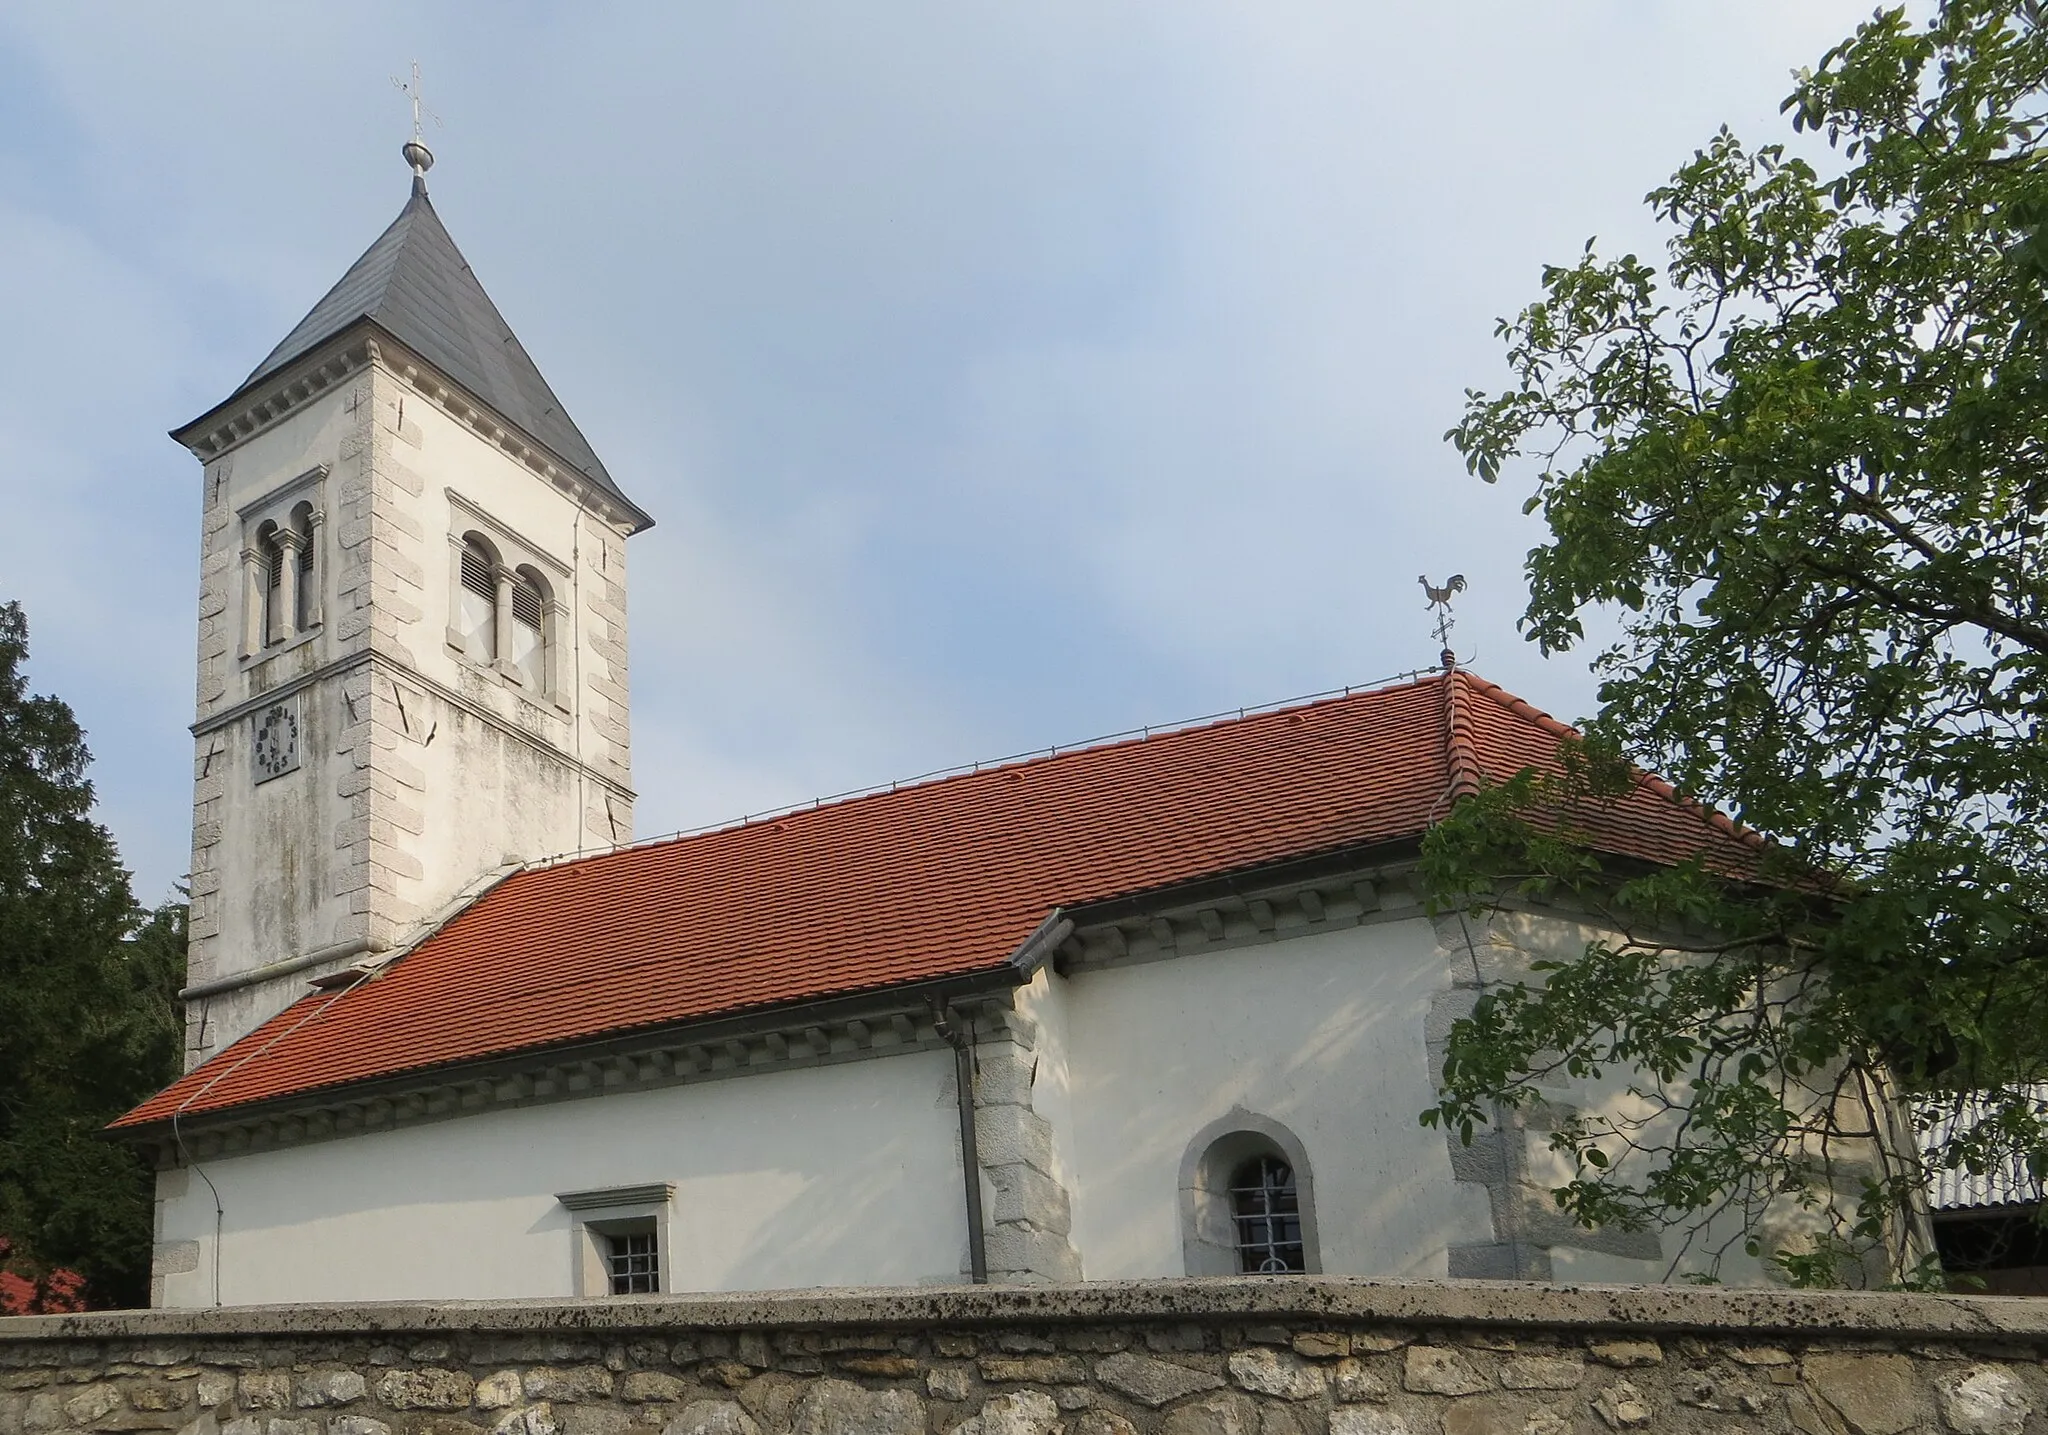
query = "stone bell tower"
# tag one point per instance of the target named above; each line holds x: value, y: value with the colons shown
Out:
x: 412, y: 632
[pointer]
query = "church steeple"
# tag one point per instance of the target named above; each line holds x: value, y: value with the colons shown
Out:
x: 412, y: 655
x: 414, y: 284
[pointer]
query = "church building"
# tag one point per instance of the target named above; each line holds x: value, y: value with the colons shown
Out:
x: 1156, y: 1007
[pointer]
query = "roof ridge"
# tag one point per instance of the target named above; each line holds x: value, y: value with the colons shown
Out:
x: 1462, y: 770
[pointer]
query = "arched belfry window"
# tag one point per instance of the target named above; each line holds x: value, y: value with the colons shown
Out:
x: 305, y: 564
x: 282, y: 567
x: 477, y: 620
x: 531, y: 640
x: 270, y: 568
x: 506, y: 614
x: 1247, y: 1201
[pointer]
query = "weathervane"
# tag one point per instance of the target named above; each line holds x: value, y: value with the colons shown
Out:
x: 415, y: 150
x: 1440, y: 604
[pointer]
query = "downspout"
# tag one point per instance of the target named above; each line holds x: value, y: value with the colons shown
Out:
x: 970, y: 1150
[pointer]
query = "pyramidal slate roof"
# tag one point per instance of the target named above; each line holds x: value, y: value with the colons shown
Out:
x: 415, y: 284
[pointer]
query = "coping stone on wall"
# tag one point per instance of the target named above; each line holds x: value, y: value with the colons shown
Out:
x: 1496, y: 1303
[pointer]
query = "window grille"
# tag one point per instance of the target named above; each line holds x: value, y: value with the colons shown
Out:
x: 633, y: 1263
x: 1266, y: 1210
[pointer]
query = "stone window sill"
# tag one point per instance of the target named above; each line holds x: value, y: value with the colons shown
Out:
x: 507, y: 678
x: 273, y: 650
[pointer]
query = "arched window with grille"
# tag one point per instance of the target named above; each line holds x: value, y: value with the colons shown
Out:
x: 476, y: 619
x: 1247, y: 1200
x: 532, y: 643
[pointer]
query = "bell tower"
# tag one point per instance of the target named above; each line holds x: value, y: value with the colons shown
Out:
x: 412, y: 632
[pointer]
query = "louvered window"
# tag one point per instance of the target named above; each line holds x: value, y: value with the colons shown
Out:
x: 309, y: 597
x: 529, y: 634
x: 273, y: 586
x: 477, y: 620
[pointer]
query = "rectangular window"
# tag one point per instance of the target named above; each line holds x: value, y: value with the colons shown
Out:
x: 620, y: 1235
x: 633, y: 1262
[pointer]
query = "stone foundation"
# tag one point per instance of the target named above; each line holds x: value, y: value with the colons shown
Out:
x: 1283, y: 1356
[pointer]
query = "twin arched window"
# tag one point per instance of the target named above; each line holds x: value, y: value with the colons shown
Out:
x: 1247, y: 1204
x: 283, y: 589
x: 503, y: 615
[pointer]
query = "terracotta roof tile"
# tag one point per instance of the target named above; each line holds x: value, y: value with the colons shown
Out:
x: 936, y: 881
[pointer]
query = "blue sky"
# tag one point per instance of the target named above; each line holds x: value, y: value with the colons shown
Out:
x: 998, y: 374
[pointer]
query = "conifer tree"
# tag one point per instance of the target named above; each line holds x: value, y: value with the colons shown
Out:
x: 87, y: 1024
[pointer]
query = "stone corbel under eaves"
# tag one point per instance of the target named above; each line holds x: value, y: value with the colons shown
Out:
x: 816, y: 1034
x: 482, y: 420
x: 227, y: 424
x: 1272, y: 904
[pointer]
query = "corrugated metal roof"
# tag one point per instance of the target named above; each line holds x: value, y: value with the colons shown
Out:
x: 414, y: 283
x: 920, y: 884
x: 2010, y: 1183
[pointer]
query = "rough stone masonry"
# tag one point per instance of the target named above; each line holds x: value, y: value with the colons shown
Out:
x: 1248, y: 1356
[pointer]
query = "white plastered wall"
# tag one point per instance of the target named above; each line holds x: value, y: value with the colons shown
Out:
x: 1323, y: 1033
x: 500, y: 746
x: 838, y: 1175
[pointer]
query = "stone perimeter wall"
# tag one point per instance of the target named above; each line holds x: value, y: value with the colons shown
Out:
x: 1217, y: 1357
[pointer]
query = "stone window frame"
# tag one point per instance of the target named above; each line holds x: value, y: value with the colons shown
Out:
x: 528, y: 579
x: 516, y: 561
x: 1207, y: 1222
x: 291, y: 515
x: 606, y: 1211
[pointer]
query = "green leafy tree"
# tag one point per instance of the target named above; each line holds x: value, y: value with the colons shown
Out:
x: 87, y: 1025
x: 1800, y: 467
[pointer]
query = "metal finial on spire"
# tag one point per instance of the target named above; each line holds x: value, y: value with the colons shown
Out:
x: 1440, y: 604
x: 415, y: 150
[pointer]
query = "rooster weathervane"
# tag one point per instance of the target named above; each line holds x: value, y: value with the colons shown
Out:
x: 1440, y: 604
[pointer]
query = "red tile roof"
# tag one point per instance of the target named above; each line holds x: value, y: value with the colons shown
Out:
x: 923, y: 883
